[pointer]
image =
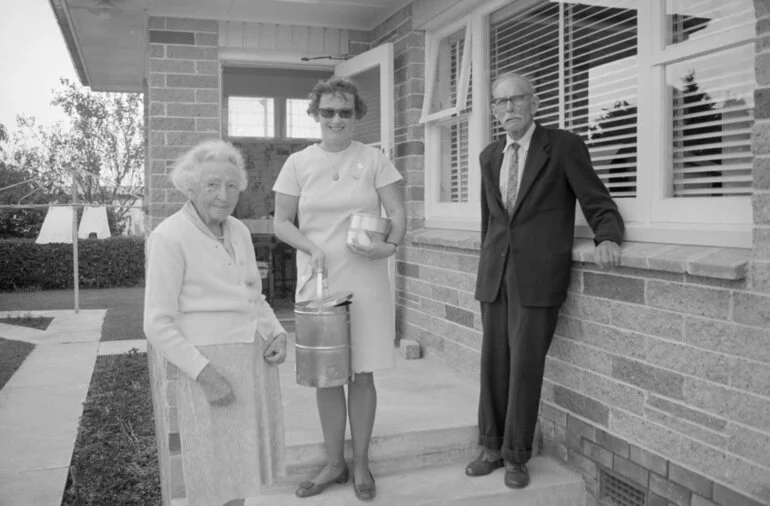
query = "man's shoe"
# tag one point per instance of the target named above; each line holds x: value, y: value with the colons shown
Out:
x: 482, y: 466
x: 516, y: 475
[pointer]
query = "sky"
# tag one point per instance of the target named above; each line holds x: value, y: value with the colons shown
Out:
x: 33, y: 56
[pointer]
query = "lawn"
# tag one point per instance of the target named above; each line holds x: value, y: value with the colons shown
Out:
x: 115, y: 457
x: 12, y: 355
x: 124, y: 307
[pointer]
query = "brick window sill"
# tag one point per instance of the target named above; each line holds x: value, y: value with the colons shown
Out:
x: 710, y: 262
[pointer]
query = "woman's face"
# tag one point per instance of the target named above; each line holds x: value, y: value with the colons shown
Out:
x: 334, y: 127
x: 217, y: 195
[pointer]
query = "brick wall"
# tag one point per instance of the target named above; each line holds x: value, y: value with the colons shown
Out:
x: 760, y: 273
x: 662, y: 379
x: 184, y: 101
x: 409, y: 68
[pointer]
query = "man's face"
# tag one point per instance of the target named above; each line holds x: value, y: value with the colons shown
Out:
x: 516, y: 113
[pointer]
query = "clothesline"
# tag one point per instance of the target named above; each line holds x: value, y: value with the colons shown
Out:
x: 31, y: 206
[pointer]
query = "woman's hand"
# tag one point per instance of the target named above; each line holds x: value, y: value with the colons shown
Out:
x: 275, y: 352
x: 217, y: 389
x: 317, y: 259
x: 375, y: 250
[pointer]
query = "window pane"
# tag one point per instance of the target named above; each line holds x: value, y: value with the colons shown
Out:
x: 697, y: 19
x: 447, y: 74
x: 713, y: 115
x: 250, y: 117
x: 298, y: 124
x: 584, y: 73
x: 454, y: 160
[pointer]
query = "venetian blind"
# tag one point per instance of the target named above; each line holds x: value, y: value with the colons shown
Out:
x: 584, y: 73
x: 713, y: 115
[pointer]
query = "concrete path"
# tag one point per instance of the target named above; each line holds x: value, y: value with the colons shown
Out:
x: 41, y: 404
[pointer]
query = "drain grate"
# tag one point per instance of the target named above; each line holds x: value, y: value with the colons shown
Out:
x: 615, y: 491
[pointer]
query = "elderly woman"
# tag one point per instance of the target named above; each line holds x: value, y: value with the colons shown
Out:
x: 324, y: 184
x: 205, y: 313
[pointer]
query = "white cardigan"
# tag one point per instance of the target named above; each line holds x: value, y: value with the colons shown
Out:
x: 196, y: 293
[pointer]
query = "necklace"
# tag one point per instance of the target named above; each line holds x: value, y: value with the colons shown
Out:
x: 335, y: 168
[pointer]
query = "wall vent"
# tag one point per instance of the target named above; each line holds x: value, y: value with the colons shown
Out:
x: 615, y: 491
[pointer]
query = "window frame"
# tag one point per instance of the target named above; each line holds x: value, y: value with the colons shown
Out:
x: 651, y: 216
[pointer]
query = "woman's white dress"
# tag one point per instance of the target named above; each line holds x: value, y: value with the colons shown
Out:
x: 331, y: 187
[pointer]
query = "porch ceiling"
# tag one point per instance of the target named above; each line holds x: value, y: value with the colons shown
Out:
x: 106, y: 38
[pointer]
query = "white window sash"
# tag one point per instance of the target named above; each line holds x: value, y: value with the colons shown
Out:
x: 652, y: 215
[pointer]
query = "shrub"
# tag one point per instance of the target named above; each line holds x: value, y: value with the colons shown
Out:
x: 103, y: 263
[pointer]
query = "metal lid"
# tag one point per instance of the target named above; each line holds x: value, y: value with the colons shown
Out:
x: 335, y: 299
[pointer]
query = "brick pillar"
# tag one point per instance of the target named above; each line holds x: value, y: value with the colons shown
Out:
x: 409, y: 68
x: 183, y: 107
x: 760, y: 274
x: 184, y: 99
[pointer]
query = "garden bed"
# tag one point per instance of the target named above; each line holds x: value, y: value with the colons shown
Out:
x: 115, y: 456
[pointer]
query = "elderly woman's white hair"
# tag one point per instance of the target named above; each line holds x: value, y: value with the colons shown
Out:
x: 187, y: 173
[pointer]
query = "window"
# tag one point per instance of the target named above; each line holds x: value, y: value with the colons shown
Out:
x: 582, y: 59
x: 447, y: 110
x: 250, y: 117
x: 298, y: 124
x: 660, y: 90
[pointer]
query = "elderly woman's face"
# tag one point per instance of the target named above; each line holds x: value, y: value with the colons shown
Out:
x: 337, y: 116
x: 217, y: 195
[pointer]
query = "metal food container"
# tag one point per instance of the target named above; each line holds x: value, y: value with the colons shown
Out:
x: 322, y: 344
x: 367, y: 228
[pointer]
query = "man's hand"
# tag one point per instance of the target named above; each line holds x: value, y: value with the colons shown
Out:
x: 217, y: 389
x: 275, y: 352
x: 607, y: 255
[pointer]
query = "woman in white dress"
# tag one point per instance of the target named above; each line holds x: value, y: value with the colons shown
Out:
x: 323, y: 185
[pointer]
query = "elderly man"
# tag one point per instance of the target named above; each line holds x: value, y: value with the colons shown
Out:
x: 530, y: 181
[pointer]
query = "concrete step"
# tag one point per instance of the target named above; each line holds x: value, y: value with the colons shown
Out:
x: 426, y: 416
x: 390, y: 454
x: 552, y: 485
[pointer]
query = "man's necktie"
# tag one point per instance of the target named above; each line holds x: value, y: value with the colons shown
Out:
x: 513, y: 179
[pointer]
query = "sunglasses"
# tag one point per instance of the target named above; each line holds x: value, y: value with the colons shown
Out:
x: 342, y: 113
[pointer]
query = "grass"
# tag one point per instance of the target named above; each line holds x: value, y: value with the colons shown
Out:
x: 27, y: 320
x: 124, y: 307
x: 115, y: 456
x: 12, y: 355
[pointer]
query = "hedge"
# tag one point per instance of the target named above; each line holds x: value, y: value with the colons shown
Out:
x: 103, y: 263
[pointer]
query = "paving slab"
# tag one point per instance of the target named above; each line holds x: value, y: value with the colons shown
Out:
x: 33, y: 488
x: 66, y: 327
x: 40, y: 407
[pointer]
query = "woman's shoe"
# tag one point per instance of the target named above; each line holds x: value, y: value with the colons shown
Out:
x: 310, y: 488
x: 367, y: 491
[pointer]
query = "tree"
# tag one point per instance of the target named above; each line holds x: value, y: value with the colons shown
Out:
x: 106, y: 142
x: 102, y: 139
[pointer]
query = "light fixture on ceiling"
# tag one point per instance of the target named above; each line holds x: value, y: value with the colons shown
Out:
x: 328, y: 57
x: 103, y: 8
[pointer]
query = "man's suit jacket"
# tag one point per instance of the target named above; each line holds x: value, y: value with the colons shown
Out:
x: 539, y: 234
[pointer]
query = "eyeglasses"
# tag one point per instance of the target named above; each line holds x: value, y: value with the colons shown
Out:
x: 342, y: 113
x: 516, y: 100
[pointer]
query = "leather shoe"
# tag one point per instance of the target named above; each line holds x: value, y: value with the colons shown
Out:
x: 367, y: 491
x: 481, y: 466
x: 516, y: 475
x: 310, y: 488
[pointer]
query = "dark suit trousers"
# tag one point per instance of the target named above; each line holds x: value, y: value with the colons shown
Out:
x: 514, y: 345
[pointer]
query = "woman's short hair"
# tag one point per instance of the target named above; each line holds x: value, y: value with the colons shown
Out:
x: 187, y: 173
x: 335, y: 86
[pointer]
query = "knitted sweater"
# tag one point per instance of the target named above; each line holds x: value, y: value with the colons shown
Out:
x: 198, y: 293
